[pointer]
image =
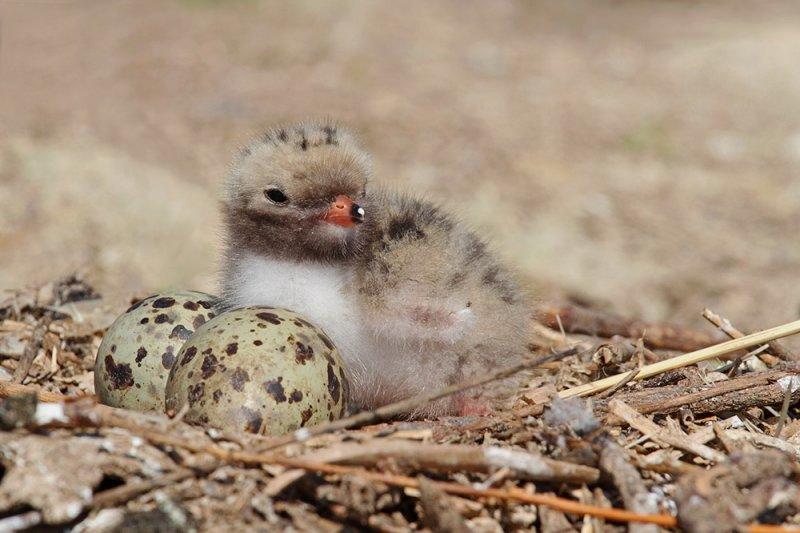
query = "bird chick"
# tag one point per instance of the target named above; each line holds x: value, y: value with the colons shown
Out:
x: 412, y: 298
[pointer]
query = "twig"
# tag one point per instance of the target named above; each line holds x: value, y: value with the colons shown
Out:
x: 561, y: 327
x: 723, y: 324
x: 124, y: 493
x: 628, y: 378
x: 455, y: 458
x: 691, y: 358
x: 737, y: 362
x: 32, y: 348
x: 577, y: 319
x: 8, y: 390
x: 719, y: 433
x: 654, y: 431
x: 678, y: 398
x: 764, y: 388
x: 494, y: 478
x: 21, y: 522
x: 662, y: 462
x: 389, y: 411
x: 791, y: 384
x: 615, y: 464
x: 764, y: 440
x: 732, y: 367
x: 787, y: 397
x: 775, y: 346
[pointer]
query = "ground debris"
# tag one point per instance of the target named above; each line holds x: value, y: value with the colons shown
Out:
x: 57, y: 474
x: 694, y: 445
x: 572, y: 412
x: 754, y: 485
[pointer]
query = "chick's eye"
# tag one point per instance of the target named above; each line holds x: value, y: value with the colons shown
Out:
x: 276, y: 196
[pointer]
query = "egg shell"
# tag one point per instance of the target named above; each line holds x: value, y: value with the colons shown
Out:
x: 140, y: 347
x: 260, y: 370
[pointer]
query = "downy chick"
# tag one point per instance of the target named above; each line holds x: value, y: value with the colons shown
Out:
x: 411, y: 297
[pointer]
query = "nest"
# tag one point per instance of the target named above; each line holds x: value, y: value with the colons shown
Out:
x: 712, y: 447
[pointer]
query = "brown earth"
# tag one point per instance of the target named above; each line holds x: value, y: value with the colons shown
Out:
x: 642, y: 155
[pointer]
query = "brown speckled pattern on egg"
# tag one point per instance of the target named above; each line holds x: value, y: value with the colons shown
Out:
x: 260, y: 370
x: 140, y: 348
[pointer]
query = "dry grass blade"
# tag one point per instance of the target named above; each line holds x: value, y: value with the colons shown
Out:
x: 785, y: 330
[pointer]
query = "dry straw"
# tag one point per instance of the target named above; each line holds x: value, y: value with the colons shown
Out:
x: 691, y: 358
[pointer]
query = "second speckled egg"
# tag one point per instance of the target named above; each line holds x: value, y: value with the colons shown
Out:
x: 260, y: 370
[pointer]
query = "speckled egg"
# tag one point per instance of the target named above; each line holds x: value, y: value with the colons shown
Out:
x: 140, y: 347
x: 260, y: 370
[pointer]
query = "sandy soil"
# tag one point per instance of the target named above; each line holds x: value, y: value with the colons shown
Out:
x: 641, y: 155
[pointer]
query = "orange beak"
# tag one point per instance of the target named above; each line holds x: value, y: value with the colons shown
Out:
x: 344, y: 212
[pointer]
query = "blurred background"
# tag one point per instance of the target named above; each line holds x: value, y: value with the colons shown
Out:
x: 642, y: 156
